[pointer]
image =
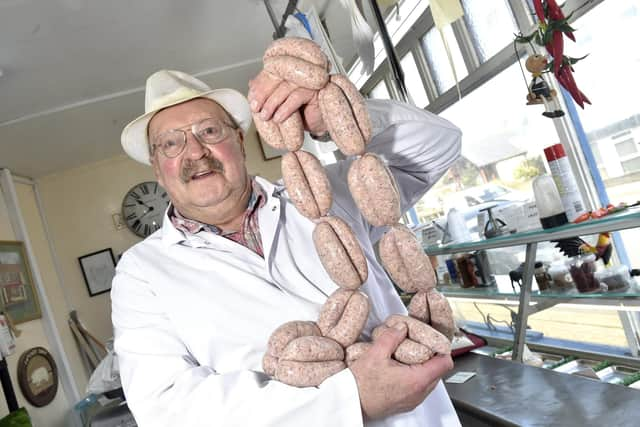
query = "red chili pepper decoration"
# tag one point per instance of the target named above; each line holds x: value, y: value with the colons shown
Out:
x: 555, y: 13
x: 537, y: 5
x: 558, y: 51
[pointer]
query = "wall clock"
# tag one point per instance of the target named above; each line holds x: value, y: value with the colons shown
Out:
x: 143, y: 207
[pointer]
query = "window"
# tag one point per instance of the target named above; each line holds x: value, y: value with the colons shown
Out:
x: 413, y: 81
x: 632, y: 165
x: 438, y: 61
x: 491, y: 25
x: 626, y: 148
x: 380, y: 91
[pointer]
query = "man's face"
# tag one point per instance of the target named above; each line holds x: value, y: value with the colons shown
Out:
x: 202, y: 176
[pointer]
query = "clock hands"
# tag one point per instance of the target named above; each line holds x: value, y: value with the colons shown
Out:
x: 140, y: 202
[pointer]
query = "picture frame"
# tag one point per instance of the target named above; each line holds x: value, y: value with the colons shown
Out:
x: 98, y: 269
x: 18, y: 296
x: 268, y: 152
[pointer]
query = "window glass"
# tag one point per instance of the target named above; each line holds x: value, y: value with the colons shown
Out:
x: 413, y: 81
x: 438, y: 61
x: 614, y: 118
x: 491, y: 25
x: 380, y: 91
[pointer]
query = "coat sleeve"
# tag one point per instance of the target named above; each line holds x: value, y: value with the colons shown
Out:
x: 417, y: 145
x: 165, y: 385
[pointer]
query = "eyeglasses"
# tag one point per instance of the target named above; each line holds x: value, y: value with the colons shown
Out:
x: 208, y: 131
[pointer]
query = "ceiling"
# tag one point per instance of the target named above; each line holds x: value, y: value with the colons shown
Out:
x: 73, y: 71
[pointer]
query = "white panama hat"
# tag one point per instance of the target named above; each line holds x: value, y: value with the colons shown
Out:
x: 166, y: 88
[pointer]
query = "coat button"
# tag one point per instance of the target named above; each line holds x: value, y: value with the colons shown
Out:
x: 273, y: 209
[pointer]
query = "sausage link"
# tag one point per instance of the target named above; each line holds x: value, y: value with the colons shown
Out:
x: 300, y: 48
x: 297, y: 71
x: 292, y: 131
x: 355, y: 351
x: 418, y: 307
x: 374, y: 190
x: 340, y: 253
x: 404, y: 259
x: 269, y: 364
x: 441, y: 314
x: 312, y: 349
x: 422, y: 340
x: 307, y: 183
x: 338, y: 117
x: 358, y: 106
x: 289, y: 331
x: 343, y: 316
x: 307, y: 374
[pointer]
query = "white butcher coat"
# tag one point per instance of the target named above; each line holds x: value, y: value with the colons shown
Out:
x: 192, y: 313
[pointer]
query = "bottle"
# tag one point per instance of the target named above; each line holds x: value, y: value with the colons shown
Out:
x: 548, y: 201
x: 565, y: 181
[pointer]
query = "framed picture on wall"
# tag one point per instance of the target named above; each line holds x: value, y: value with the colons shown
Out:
x: 18, y: 296
x: 98, y: 269
x: 268, y: 152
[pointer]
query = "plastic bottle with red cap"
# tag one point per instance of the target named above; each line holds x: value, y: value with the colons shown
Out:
x: 565, y: 181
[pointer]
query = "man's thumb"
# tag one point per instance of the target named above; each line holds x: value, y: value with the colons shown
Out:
x: 389, y: 340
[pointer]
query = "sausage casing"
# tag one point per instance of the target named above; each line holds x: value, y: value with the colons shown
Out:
x: 404, y: 259
x: 440, y: 313
x: 418, y: 307
x: 358, y: 106
x: 340, y: 121
x: 422, y: 340
x: 288, y: 135
x: 343, y: 316
x: 298, y: 47
x: 355, y: 351
x: 340, y: 253
x: 307, y: 183
x: 297, y: 71
x: 374, y: 190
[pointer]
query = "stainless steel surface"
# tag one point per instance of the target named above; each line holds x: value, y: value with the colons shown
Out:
x: 514, y: 394
x: 525, y: 296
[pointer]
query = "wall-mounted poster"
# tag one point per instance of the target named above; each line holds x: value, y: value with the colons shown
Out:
x: 17, y: 291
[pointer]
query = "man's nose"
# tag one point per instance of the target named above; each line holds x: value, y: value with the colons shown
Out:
x: 195, y: 149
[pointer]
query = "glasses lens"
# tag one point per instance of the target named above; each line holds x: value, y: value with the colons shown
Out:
x: 171, y: 143
x: 211, y: 131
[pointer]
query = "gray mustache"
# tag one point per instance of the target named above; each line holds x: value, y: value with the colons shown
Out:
x: 190, y: 167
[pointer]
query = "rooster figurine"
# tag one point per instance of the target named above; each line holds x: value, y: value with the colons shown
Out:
x: 576, y: 246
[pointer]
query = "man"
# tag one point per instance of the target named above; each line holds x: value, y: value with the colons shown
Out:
x: 195, y: 303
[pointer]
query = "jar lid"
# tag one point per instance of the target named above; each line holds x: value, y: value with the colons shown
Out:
x: 538, y: 264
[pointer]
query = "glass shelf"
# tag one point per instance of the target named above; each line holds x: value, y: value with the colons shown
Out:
x: 502, y: 290
x: 628, y: 218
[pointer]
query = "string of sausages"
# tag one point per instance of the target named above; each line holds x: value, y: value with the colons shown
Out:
x: 304, y: 353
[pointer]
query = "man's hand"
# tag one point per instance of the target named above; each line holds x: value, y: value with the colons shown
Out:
x: 388, y: 387
x: 276, y: 99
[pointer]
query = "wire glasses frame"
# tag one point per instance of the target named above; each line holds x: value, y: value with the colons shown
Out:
x: 209, y: 131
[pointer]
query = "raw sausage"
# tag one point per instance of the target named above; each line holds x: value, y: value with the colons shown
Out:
x: 357, y: 104
x: 441, y: 316
x: 422, y: 340
x: 309, y: 360
x: 299, y: 47
x: 374, y: 190
x: 338, y: 117
x: 282, y: 336
x: 288, y: 135
x: 343, y: 316
x: 297, y: 71
x: 340, y: 253
x: 404, y: 259
x: 307, y: 183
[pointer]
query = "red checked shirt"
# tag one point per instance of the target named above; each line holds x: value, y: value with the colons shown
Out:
x: 249, y: 234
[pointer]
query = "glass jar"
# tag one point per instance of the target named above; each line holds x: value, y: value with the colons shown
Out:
x: 465, y: 270
x: 543, y: 279
x: 616, y: 278
x: 582, y: 269
x: 560, y: 276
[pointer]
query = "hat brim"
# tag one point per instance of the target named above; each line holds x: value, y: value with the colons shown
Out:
x: 134, y: 136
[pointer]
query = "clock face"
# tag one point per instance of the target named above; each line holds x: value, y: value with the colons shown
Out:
x: 143, y: 208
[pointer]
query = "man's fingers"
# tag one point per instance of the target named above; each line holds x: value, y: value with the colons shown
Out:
x: 385, y: 345
x: 435, y: 367
x: 294, y: 102
x: 277, y: 97
x: 260, y: 88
